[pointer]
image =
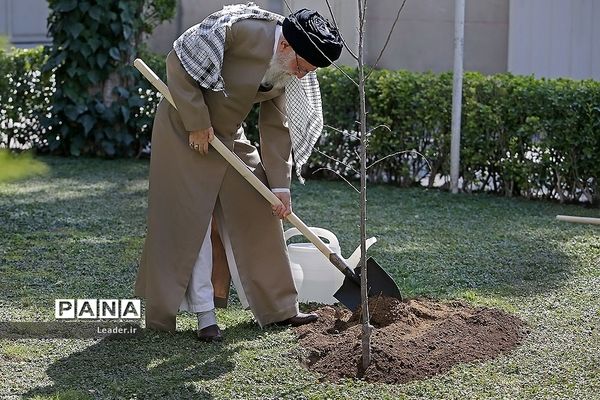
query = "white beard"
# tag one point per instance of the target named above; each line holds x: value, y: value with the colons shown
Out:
x: 278, y: 73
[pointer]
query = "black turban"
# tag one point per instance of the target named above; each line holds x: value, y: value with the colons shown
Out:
x: 312, y: 37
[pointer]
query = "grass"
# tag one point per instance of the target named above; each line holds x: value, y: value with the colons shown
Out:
x: 77, y: 232
x: 15, y: 167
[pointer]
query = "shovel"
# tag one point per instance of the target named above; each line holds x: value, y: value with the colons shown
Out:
x: 380, y: 283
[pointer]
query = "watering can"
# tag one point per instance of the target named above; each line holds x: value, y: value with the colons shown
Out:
x: 314, y: 277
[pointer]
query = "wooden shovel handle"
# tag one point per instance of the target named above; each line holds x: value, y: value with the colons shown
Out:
x: 239, y: 166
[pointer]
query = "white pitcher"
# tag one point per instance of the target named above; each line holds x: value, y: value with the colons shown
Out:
x: 320, y: 278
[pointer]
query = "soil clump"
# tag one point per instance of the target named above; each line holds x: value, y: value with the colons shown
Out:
x: 412, y: 340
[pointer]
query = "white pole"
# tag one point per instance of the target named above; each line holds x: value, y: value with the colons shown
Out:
x: 459, y: 42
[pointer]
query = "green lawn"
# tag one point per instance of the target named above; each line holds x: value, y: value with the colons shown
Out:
x: 77, y: 232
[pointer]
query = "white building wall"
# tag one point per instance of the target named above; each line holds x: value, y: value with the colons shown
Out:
x: 24, y: 22
x: 547, y: 38
x: 555, y: 38
x: 4, y: 19
x: 424, y: 36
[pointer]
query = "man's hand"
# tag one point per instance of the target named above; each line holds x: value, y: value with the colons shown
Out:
x: 199, y: 140
x: 285, y: 209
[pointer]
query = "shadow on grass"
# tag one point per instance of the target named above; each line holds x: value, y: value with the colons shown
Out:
x: 77, y: 232
x: 437, y: 244
x: 151, y: 365
x: 74, y: 237
x: 524, y: 267
x: 41, y: 267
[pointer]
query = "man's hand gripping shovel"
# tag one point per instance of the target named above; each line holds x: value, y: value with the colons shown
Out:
x: 380, y: 283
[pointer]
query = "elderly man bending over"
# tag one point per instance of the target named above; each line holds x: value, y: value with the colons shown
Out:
x: 217, y: 70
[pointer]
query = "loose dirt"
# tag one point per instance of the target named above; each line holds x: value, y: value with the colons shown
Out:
x: 412, y: 340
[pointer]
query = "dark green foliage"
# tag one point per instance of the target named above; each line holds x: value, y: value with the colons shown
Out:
x: 532, y: 137
x: 24, y: 97
x: 97, y: 107
x: 520, y: 136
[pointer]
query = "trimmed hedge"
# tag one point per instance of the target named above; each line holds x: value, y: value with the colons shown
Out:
x: 521, y: 136
x: 24, y: 98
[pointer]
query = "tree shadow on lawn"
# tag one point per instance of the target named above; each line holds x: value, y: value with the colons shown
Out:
x: 73, y: 243
x: 74, y: 191
x: 431, y: 242
x: 150, y: 365
x: 496, y: 270
x: 39, y: 268
x: 436, y: 244
x: 508, y: 261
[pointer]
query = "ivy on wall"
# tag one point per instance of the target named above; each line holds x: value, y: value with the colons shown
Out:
x: 97, y: 108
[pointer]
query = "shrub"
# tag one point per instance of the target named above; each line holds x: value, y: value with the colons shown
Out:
x: 24, y: 97
x: 521, y: 136
x: 96, y: 107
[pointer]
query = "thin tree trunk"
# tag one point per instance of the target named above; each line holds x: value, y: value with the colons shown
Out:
x: 366, y: 326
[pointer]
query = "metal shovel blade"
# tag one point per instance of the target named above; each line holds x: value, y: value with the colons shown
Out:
x: 379, y: 281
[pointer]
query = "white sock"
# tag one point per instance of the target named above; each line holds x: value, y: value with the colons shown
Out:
x: 206, y: 318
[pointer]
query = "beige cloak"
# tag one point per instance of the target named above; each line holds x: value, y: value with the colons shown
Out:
x: 186, y: 187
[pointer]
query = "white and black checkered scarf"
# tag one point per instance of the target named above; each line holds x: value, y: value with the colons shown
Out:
x: 201, y: 49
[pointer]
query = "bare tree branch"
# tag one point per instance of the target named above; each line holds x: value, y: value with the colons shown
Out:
x: 379, y: 126
x: 336, y: 160
x: 346, y: 133
x: 338, y: 28
x: 322, y: 53
x: 338, y: 174
x: 401, y: 152
x: 387, y: 41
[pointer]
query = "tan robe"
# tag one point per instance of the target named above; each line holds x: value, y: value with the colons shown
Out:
x: 185, y: 187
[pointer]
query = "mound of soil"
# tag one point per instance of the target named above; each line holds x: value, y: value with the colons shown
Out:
x: 411, y: 340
